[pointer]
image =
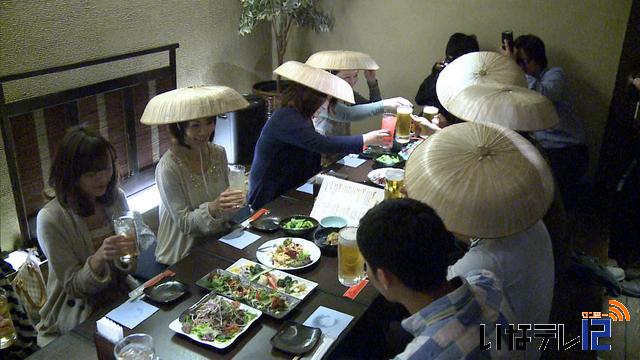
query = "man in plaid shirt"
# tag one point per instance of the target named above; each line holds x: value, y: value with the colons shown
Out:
x: 404, y: 244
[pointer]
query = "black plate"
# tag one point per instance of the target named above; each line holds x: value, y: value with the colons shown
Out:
x: 266, y: 224
x: 166, y: 292
x: 295, y: 338
x: 301, y: 232
x: 400, y: 164
x: 320, y: 238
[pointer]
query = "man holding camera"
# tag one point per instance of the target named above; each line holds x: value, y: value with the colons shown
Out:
x: 564, y: 144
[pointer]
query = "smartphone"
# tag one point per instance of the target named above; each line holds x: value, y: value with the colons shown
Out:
x: 508, y: 36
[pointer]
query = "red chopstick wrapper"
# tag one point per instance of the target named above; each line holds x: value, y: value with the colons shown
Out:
x: 353, y: 291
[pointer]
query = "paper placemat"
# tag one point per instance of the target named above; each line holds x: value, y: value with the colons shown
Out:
x: 241, y: 241
x: 352, y: 160
x: 306, y: 188
x: 331, y: 322
x: 131, y: 313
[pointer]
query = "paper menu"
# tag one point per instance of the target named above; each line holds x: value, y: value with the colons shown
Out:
x: 345, y: 198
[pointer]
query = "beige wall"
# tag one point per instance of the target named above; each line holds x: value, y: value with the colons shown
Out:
x: 39, y: 34
x: 406, y: 37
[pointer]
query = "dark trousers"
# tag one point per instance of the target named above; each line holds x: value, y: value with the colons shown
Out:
x: 568, y: 165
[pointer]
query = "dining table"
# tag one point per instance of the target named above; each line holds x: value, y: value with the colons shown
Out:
x: 211, y: 254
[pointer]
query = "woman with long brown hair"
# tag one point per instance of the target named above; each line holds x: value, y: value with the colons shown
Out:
x: 289, y: 148
x: 75, y: 232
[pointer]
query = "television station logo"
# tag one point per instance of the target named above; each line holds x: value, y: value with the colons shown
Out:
x: 595, y: 327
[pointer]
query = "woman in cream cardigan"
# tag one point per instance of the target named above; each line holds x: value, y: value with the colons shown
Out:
x: 192, y: 176
x: 75, y: 232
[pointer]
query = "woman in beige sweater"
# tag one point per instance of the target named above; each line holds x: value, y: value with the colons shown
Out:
x: 76, y: 233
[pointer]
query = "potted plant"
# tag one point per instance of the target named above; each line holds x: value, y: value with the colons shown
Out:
x: 282, y: 14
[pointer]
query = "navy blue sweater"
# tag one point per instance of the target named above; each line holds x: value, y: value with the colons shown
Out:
x: 288, y: 153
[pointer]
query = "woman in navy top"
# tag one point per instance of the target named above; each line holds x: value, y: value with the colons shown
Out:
x: 288, y: 150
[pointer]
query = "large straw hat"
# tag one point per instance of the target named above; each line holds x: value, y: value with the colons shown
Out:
x: 191, y: 103
x: 482, y: 67
x: 342, y: 60
x: 483, y: 180
x: 514, y: 107
x: 316, y: 79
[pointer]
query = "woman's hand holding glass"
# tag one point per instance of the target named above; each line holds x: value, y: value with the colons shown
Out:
x: 376, y: 137
x: 228, y: 201
x: 111, y: 249
x: 393, y: 103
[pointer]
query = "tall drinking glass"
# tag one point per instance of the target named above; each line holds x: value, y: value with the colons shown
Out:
x: 428, y: 112
x: 237, y: 179
x: 394, y: 184
x: 389, y: 124
x: 350, y: 261
x: 403, y: 124
x: 124, y: 225
x: 135, y: 347
x: 7, y: 330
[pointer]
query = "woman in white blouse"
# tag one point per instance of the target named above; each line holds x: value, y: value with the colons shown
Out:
x: 192, y: 176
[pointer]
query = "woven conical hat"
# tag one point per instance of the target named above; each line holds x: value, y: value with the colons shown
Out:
x: 342, y: 60
x: 483, y: 180
x: 316, y: 79
x: 483, y: 67
x: 191, y: 103
x: 513, y: 107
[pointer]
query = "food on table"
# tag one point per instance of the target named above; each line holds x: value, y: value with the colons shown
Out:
x: 388, y: 159
x: 260, y: 298
x: 298, y: 224
x: 216, y: 320
x: 277, y: 281
x: 332, y: 239
x: 249, y: 271
x: 290, y: 254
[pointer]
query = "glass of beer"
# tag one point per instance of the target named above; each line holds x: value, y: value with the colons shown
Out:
x: 394, y: 184
x: 124, y: 224
x: 7, y: 330
x: 135, y: 347
x: 389, y: 124
x: 403, y: 124
x: 429, y: 113
x: 350, y: 261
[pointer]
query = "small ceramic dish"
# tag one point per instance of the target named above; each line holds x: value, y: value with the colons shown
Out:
x: 333, y: 222
x: 266, y: 224
x: 166, y: 292
x: 320, y: 239
x: 392, y: 160
x: 295, y: 338
x: 298, y: 232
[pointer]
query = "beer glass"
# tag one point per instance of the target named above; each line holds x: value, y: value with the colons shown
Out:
x: 394, y: 184
x: 236, y: 178
x: 429, y: 113
x: 125, y: 225
x: 135, y: 347
x: 350, y: 261
x: 403, y: 124
x: 389, y: 124
x: 7, y: 330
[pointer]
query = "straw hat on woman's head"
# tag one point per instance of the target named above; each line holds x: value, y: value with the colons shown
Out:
x: 342, y: 60
x: 511, y: 106
x: 192, y: 103
x: 483, y: 180
x: 483, y: 67
x: 316, y: 79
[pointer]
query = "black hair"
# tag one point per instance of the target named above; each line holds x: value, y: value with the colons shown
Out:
x: 460, y: 44
x: 533, y: 47
x: 81, y: 151
x: 305, y: 99
x: 407, y: 238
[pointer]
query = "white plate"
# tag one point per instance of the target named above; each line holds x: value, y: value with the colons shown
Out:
x: 237, y: 267
x: 177, y: 326
x: 266, y: 250
x: 377, y: 176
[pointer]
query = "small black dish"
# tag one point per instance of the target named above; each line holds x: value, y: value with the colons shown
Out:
x: 379, y: 164
x: 298, y: 232
x: 266, y: 224
x: 166, y: 292
x: 295, y: 338
x: 372, y: 152
x: 320, y: 239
